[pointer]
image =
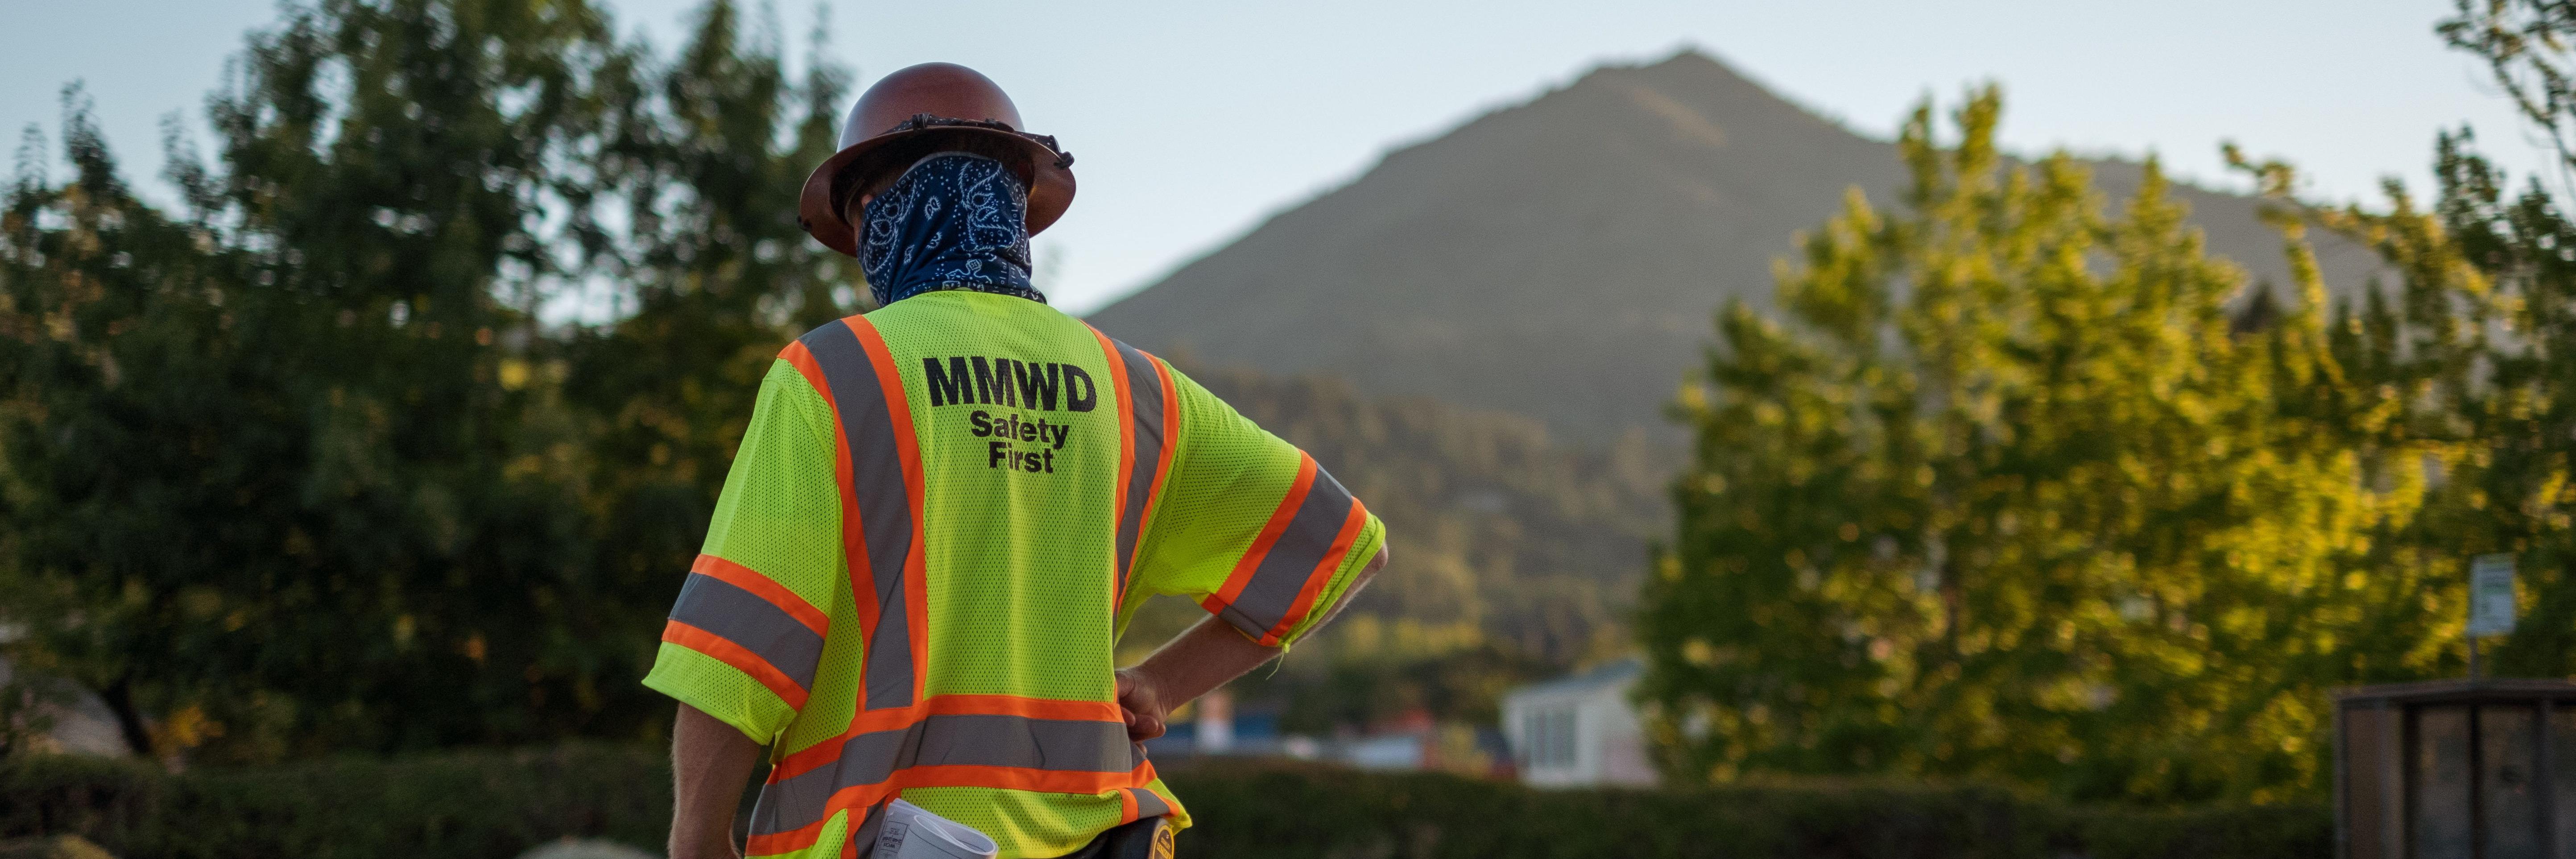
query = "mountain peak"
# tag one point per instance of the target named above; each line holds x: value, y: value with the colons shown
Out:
x: 1559, y: 258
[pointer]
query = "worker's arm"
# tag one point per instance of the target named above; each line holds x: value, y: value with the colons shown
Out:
x: 773, y: 551
x: 710, y: 762
x: 1194, y: 663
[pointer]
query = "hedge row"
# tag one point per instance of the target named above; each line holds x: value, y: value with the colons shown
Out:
x: 471, y: 804
x: 1304, y: 811
x: 492, y: 804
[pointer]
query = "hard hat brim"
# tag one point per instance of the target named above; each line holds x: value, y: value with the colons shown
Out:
x: 1050, y: 183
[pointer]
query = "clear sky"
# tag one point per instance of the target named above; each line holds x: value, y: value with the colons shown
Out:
x: 1194, y: 121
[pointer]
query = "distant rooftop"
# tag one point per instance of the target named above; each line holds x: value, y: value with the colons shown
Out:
x: 1606, y: 674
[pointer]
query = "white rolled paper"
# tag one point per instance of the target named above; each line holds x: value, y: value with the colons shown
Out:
x: 911, y: 832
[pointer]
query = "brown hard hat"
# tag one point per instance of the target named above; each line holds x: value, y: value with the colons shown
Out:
x: 942, y: 98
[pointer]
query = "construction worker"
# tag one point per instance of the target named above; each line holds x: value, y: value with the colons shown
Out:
x: 944, y: 511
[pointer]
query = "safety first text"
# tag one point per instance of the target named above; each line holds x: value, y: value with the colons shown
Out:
x: 1001, y: 453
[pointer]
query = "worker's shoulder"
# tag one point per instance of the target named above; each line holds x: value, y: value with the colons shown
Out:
x: 951, y: 315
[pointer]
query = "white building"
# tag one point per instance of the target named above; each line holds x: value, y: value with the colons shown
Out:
x: 1579, y: 730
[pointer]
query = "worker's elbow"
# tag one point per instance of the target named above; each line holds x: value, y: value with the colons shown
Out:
x: 1359, y: 582
x: 1376, y: 562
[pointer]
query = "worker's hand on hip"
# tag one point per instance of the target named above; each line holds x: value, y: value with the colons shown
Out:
x: 1141, y: 704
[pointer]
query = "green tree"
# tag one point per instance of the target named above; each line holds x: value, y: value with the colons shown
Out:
x: 2010, y: 493
x: 2490, y: 298
x: 2525, y: 44
x: 715, y: 276
x: 115, y: 424
x: 2472, y: 345
x: 2473, y: 349
x: 2480, y: 333
x: 300, y: 485
x: 339, y: 458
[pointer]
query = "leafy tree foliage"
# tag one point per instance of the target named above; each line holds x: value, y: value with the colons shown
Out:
x: 717, y: 275
x: 2016, y: 493
x: 304, y: 469
x: 2481, y: 336
x: 2525, y: 44
x: 2471, y: 351
x: 2011, y: 493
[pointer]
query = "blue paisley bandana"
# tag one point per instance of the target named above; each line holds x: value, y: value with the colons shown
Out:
x: 952, y: 221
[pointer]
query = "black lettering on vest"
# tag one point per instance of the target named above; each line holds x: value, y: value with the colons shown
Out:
x: 947, y: 387
x: 1037, y: 389
x: 983, y: 380
x: 1003, y: 370
x: 1079, y: 397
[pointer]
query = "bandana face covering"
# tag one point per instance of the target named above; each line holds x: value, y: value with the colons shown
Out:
x: 953, y: 221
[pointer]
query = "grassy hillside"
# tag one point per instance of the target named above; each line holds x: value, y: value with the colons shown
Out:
x: 1514, y: 555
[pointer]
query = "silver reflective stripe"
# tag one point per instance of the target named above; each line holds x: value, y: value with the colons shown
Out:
x: 742, y: 617
x: 885, y: 510
x: 1283, y: 573
x: 1149, y: 805
x: 945, y: 740
x: 1145, y: 391
x: 865, y: 837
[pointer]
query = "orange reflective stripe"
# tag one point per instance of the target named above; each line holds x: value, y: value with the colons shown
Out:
x: 1275, y: 585
x: 790, y: 841
x: 881, y: 522
x: 807, y: 759
x: 1126, y: 465
x: 1034, y: 708
x: 1269, y: 536
x: 797, y: 356
x: 1138, y: 803
x: 855, y: 798
x: 1016, y: 778
x: 762, y: 586
x: 721, y: 650
x: 908, y: 451
x: 1171, y: 434
x: 1322, y: 574
x: 752, y: 623
x: 994, y: 741
x: 1148, y: 415
x: 854, y: 547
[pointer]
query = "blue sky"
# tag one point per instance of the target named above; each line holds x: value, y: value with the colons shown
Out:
x: 1195, y: 121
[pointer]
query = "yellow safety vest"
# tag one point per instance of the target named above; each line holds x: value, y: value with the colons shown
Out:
x: 941, y: 515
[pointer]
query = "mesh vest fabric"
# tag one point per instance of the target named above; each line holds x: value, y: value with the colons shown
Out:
x: 939, y: 517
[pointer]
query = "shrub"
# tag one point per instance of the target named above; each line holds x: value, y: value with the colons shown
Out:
x: 499, y: 804
x: 1280, y: 810
x: 460, y: 804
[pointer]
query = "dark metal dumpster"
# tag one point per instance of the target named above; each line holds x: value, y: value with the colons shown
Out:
x: 2456, y: 769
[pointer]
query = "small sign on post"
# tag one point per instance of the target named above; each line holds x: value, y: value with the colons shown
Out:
x: 2491, y: 595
